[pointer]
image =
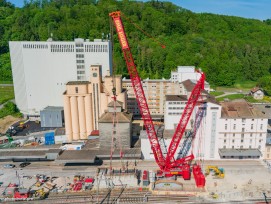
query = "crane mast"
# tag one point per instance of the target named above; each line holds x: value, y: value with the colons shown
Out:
x: 169, y: 163
x: 138, y: 89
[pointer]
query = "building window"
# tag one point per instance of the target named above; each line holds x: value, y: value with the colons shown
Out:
x: 243, y: 120
x: 251, y: 126
x: 232, y: 147
x: 259, y: 147
x: 232, y: 141
x: 242, y: 141
x: 233, y: 134
x: 261, y: 134
x: 76, y: 89
x: 226, y: 126
x: 249, y: 146
x: 241, y: 147
x: 251, y: 134
x: 225, y: 135
x: 260, y: 140
x: 250, y: 140
x: 268, y: 149
x: 261, y: 126
x: 234, y: 126
x: 243, y: 129
x: 225, y: 141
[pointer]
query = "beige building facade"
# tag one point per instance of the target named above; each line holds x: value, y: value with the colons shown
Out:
x: 86, y: 101
x: 155, y: 91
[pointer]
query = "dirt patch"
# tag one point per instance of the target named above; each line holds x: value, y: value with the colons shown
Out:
x: 6, y: 122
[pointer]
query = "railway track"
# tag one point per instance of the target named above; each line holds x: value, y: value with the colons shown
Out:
x: 112, y: 197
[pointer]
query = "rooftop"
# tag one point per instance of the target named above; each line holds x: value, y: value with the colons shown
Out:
x: 255, y: 89
x: 203, y: 98
x: 189, y: 86
x: 77, y: 82
x: 118, y: 104
x: 53, y: 108
x: 240, y: 109
x: 176, y: 98
x: 122, y: 117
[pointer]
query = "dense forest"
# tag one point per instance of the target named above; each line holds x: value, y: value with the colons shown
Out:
x: 226, y: 48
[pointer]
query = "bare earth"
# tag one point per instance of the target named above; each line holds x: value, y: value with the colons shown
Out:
x: 6, y: 122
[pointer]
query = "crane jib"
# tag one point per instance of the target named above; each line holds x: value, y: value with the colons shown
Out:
x: 121, y: 34
x: 169, y: 163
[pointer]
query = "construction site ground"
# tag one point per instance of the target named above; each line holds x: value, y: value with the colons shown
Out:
x: 244, y: 179
x: 6, y: 122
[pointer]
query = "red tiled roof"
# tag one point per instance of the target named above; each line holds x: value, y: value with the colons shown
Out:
x: 95, y: 133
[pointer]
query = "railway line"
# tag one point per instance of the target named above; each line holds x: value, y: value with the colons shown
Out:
x: 113, y: 196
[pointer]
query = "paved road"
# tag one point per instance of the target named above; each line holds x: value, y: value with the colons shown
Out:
x: 231, y: 93
x: 6, y: 84
x: 2, y: 105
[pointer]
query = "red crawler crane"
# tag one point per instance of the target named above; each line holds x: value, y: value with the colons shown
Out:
x: 168, y: 166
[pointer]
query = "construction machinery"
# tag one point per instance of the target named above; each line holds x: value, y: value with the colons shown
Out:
x: 169, y: 165
x: 40, y: 193
x: 218, y: 172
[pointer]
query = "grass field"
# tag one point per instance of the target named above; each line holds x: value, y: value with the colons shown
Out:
x: 6, y: 93
x: 231, y: 97
x: 6, y: 82
x: 216, y: 93
x: 240, y: 86
x: 245, y: 85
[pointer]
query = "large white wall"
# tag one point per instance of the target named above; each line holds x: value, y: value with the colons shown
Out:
x: 206, y: 142
x: 253, y: 136
x: 41, y: 70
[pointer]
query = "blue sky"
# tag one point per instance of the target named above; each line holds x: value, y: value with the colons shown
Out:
x: 258, y: 9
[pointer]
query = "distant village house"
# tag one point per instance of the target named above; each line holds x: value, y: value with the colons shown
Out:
x: 257, y: 93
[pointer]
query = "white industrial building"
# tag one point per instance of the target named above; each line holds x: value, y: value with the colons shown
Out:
x: 242, y: 127
x: 206, y: 141
x: 184, y: 73
x: 230, y: 130
x: 41, y: 69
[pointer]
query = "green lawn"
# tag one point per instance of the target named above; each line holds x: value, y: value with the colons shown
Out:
x: 6, y: 93
x: 245, y: 85
x: 231, y: 97
x: 216, y: 93
x: 6, y: 82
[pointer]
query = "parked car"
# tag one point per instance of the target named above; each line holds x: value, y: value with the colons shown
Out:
x: 24, y: 164
x: 9, y: 165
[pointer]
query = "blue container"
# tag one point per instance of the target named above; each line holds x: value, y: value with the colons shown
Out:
x: 49, y: 138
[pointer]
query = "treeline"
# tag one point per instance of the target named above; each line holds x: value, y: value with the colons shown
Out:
x: 226, y: 48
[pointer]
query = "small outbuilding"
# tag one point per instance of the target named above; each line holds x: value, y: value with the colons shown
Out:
x: 52, y: 116
x: 257, y: 93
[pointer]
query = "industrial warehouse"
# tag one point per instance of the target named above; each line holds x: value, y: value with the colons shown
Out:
x: 101, y: 119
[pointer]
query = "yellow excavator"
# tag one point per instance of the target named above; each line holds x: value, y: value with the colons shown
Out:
x: 218, y: 172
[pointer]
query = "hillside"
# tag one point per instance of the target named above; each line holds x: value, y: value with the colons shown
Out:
x: 226, y: 48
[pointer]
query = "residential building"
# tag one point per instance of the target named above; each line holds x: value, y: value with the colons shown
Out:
x: 242, y: 127
x: 257, y: 93
x: 155, y: 91
x: 42, y: 69
x: 181, y: 83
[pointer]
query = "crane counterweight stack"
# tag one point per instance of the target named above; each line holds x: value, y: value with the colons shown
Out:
x: 169, y: 166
